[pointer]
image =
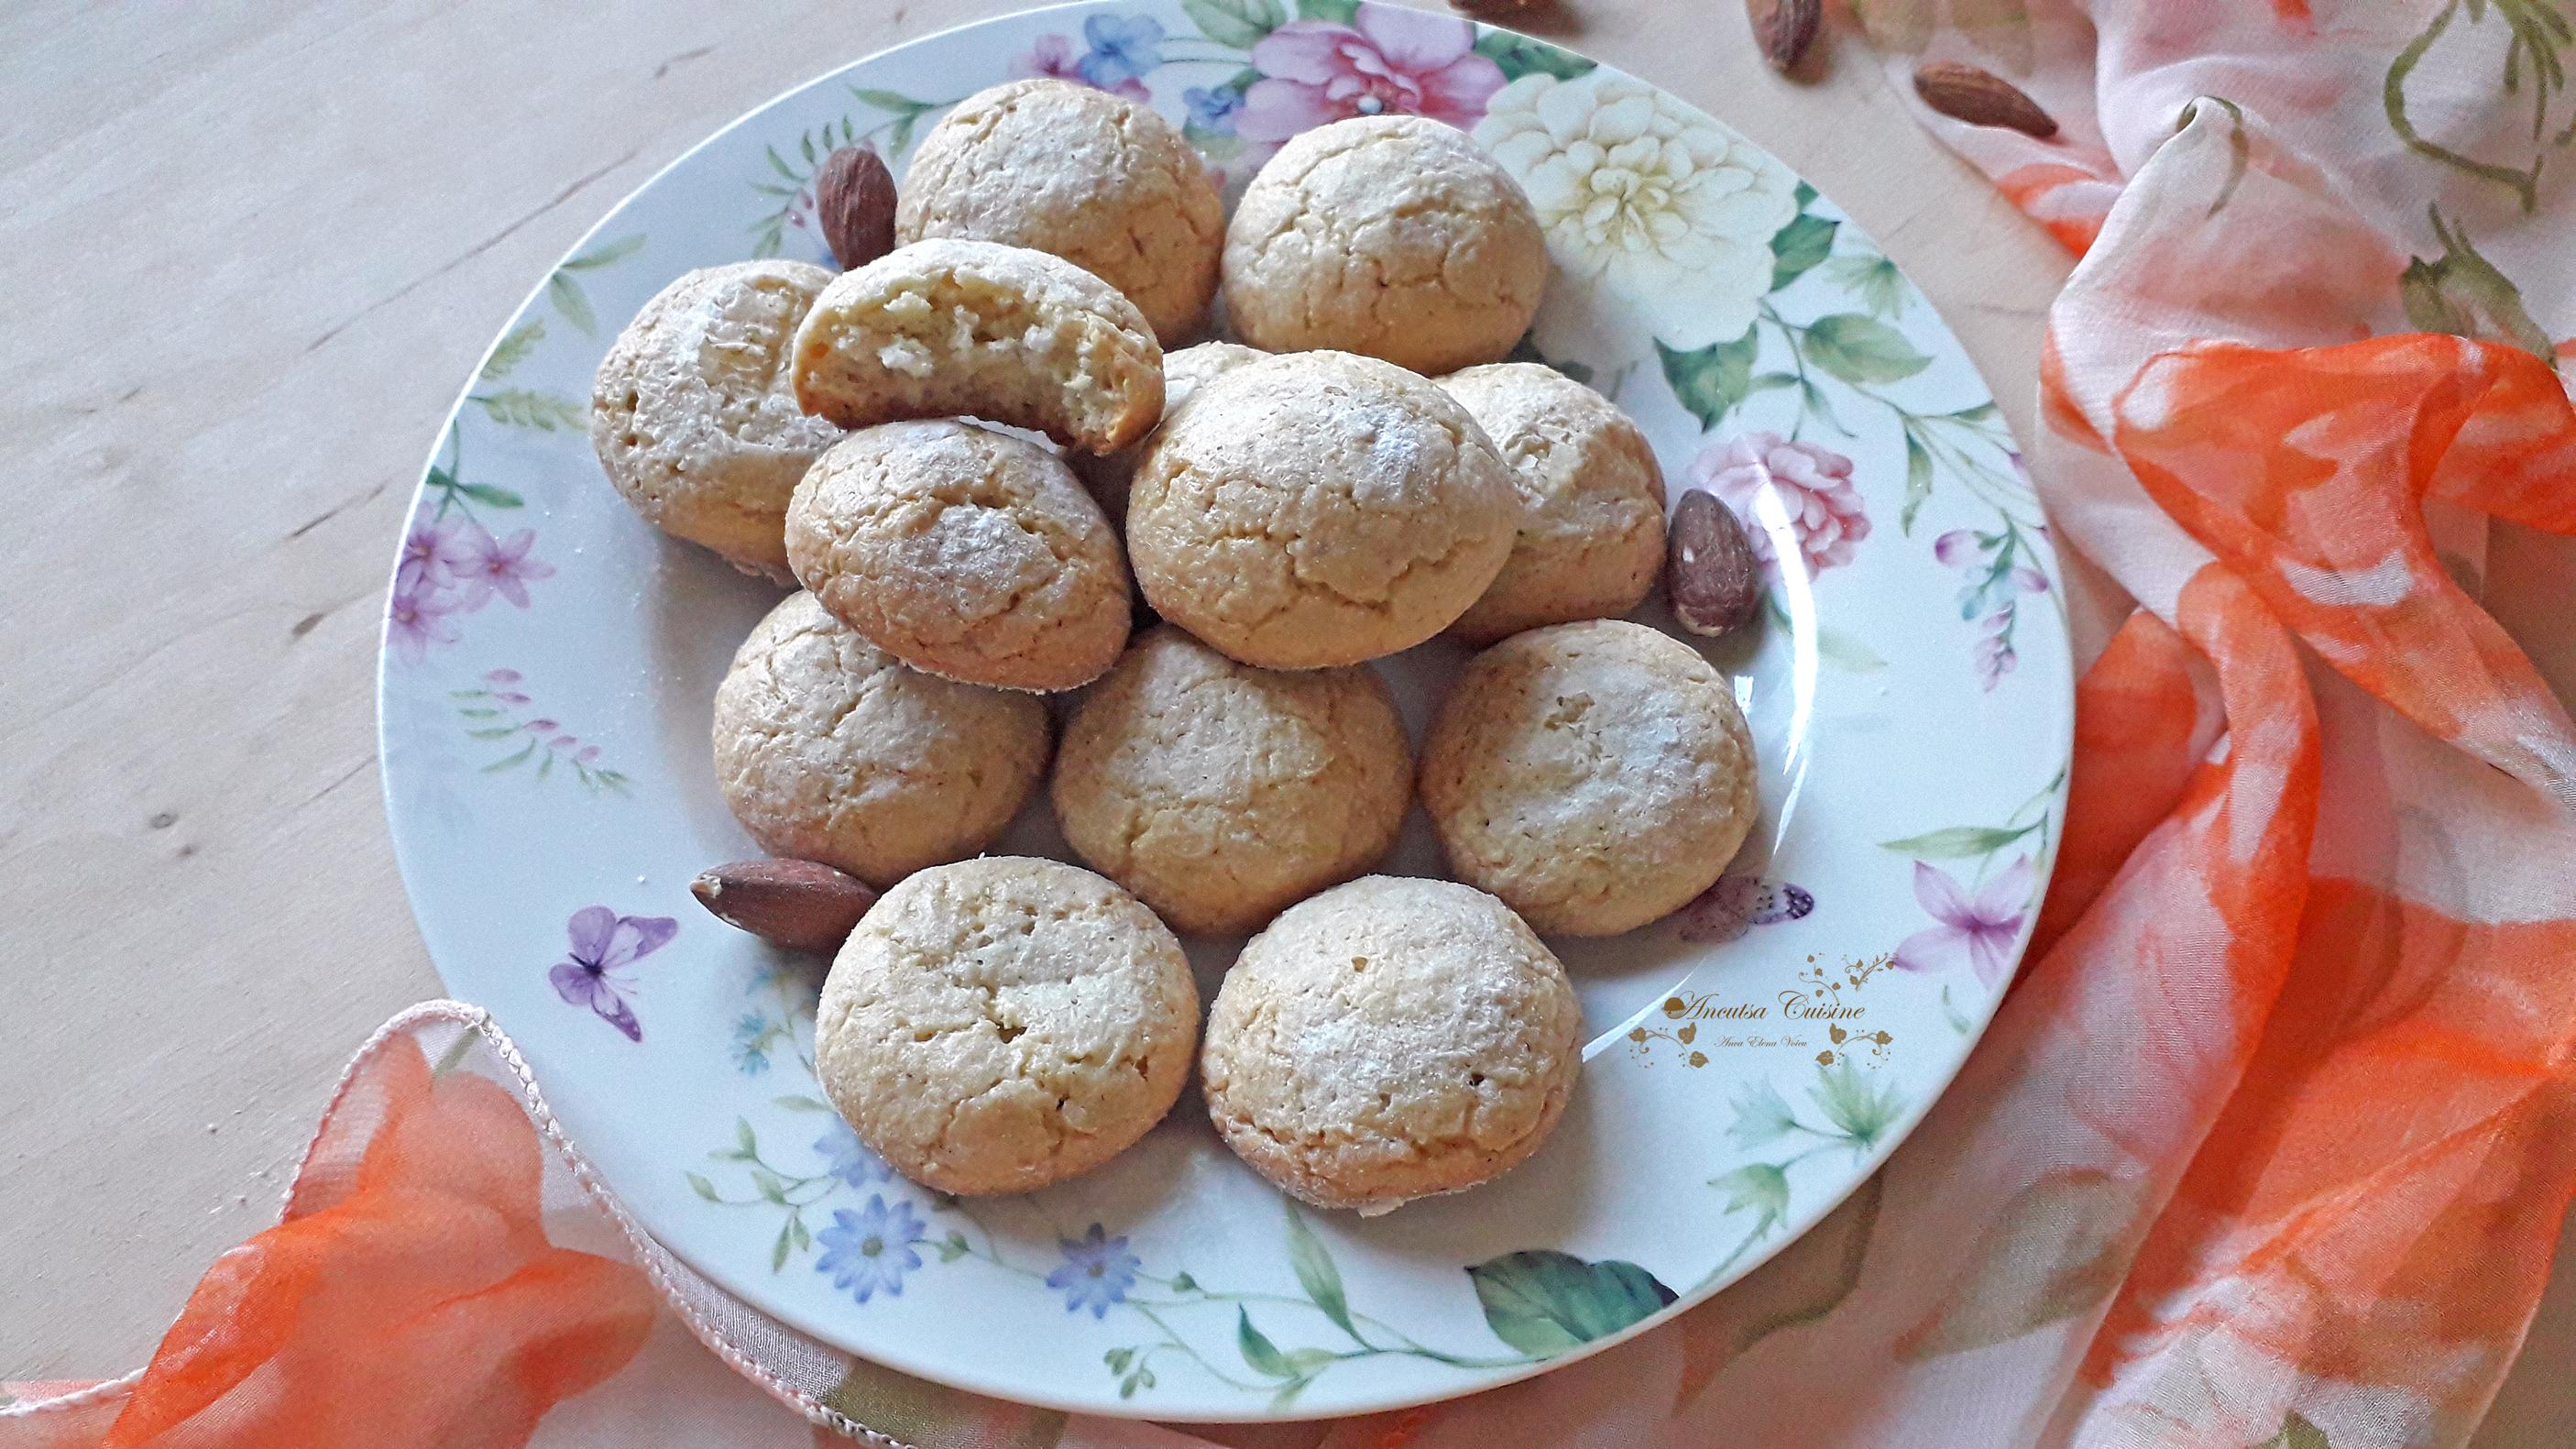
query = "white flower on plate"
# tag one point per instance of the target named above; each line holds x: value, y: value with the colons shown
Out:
x: 1664, y: 214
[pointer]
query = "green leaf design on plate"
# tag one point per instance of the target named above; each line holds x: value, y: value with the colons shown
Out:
x: 1846, y: 652
x: 1918, y: 481
x: 489, y: 496
x: 799, y: 1102
x: 1239, y: 23
x: 1760, y: 1116
x: 699, y: 1185
x: 893, y: 102
x: 520, y: 407
x: 2296, y: 1433
x: 1259, y: 1353
x: 1713, y: 379
x: 567, y: 296
x: 778, y: 1251
x: 1544, y: 1302
x: 603, y: 254
x: 1340, y: 12
x: 1872, y: 279
x: 512, y: 349
x: 1760, y: 1188
x: 1861, y: 349
x: 1799, y: 246
x: 1855, y: 1103
x: 1519, y: 55
x: 2057, y: 1249
x: 1317, y: 1274
x: 1959, y: 842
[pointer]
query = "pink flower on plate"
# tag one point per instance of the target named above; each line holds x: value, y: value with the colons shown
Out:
x: 1813, y: 487
x: 417, y: 617
x: 433, y: 554
x: 499, y: 566
x: 1978, y: 932
x: 1388, y: 60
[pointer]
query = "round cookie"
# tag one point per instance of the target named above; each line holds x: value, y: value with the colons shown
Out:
x: 963, y: 552
x: 951, y: 327
x: 1108, y: 477
x: 828, y: 749
x: 1596, y: 776
x: 1389, y: 235
x: 1388, y: 1040
x: 1318, y: 509
x: 692, y: 415
x: 1591, y: 539
x: 1003, y: 1023
x: 1097, y: 179
x: 1220, y: 793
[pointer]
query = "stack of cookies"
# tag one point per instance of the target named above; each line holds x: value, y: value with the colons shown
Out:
x: 1357, y: 471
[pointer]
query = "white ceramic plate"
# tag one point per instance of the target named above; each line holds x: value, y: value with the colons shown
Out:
x: 550, y: 660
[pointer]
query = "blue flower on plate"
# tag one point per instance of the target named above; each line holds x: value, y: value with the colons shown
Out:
x: 1097, y: 1271
x: 847, y: 1158
x: 751, y: 1043
x: 870, y: 1249
x: 1213, y: 110
x: 1123, y: 48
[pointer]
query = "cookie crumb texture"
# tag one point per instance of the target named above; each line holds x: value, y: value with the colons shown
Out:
x: 1097, y: 179
x: 1318, y: 509
x: 1596, y: 776
x: 950, y: 327
x: 1389, y: 235
x: 693, y: 415
x: 964, y: 552
x: 1388, y: 1040
x: 1591, y: 538
x: 829, y: 749
x: 1000, y: 1024
x: 1108, y: 477
x: 1220, y: 793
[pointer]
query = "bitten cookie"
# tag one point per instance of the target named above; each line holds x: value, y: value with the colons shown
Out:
x: 1218, y: 792
x: 1000, y: 1024
x: 693, y: 417
x: 1108, y: 477
x: 1318, y: 509
x: 1389, y: 235
x: 1591, y: 538
x: 951, y: 327
x: 963, y: 552
x: 828, y: 749
x: 1596, y: 776
x: 1097, y: 179
x: 1388, y: 1040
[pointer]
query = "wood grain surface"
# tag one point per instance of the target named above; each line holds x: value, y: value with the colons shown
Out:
x: 251, y: 252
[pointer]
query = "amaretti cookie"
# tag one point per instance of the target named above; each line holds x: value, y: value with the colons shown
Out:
x: 1108, y: 476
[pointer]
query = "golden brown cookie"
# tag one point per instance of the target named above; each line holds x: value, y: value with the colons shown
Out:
x: 1389, y: 235
x: 1318, y: 509
x: 1220, y: 793
x: 1388, y: 1040
x: 1097, y: 179
x: 1108, y: 477
x: 1592, y: 501
x: 963, y: 552
x: 1000, y: 1024
x: 1596, y: 776
x: 829, y: 749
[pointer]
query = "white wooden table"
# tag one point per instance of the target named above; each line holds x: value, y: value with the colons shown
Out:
x: 249, y: 252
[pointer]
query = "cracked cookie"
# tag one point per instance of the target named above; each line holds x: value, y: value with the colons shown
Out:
x: 1000, y: 1024
x: 1220, y: 793
x: 693, y: 417
x: 1389, y: 235
x: 950, y: 327
x: 1108, y: 477
x: 1097, y: 179
x: 1591, y: 539
x: 1596, y: 776
x: 829, y: 749
x: 1388, y: 1040
x: 1318, y: 509
x: 964, y: 552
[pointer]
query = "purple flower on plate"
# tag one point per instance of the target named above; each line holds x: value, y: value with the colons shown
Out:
x: 1124, y: 49
x: 498, y: 566
x: 417, y: 617
x: 870, y: 1250
x: 1097, y: 1271
x: 604, y: 944
x: 434, y: 555
x: 1213, y: 110
x: 847, y: 1158
x: 1051, y: 57
x: 1813, y: 485
x: 1736, y: 903
x: 1978, y: 931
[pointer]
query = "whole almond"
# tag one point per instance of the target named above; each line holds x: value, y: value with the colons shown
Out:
x: 1981, y: 98
x: 798, y: 904
x: 854, y: 200
x: 1710, y: 574
x: 1784, y: 28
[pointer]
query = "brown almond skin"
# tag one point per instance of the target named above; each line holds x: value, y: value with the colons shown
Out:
x: 1981, y: 98
x: 1784, y: 29
x: 854, y: 200
x: 1710, y: 574
x: 799, y: 904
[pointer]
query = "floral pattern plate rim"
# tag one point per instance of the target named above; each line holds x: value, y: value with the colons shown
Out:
x: 549, y: 660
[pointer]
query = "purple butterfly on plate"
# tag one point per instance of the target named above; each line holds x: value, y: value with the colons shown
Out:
x: 604, y: 944
x: 1738, y: 903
